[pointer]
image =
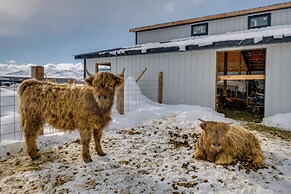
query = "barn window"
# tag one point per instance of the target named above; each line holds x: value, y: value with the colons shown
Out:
x: 103, y: 67
x: 199, y: 29
x: 259, y: 21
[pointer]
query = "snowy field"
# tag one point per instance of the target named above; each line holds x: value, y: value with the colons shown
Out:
x: 149, y: 150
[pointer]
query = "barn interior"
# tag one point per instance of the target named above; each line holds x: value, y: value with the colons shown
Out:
x: 241, y: 84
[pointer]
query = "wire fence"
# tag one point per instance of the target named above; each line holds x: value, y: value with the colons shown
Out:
x: 9, y: 122
x: 143, y: 92
x: 135, y: 94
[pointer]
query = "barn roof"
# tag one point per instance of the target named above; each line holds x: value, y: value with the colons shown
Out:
x: 215, y: 17
x: 267, y: 35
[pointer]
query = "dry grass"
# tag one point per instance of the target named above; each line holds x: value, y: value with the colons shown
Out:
x: 269, y: 131
x: 242, y: 115
x: 252, y: 120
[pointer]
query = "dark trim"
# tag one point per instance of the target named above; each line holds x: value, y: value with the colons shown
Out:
x: 84, y: 68
x: 135, y: 38
x: 196, y: 25
x: 215, y: 45
x: 81, y: 56
x: 260, y: 15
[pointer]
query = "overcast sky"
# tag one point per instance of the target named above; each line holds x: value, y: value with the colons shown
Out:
x: 52, y: 31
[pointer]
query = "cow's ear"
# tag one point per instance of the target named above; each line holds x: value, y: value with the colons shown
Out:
x: 202, y: 124
x: 88, y: 81
x: 227, y: 127
x: 118, y: 81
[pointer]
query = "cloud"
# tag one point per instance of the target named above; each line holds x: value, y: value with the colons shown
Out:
x: 197, y: 2
x: 18, y: 9
x: 10, y: 61
x: 15, y: 15
x: 43, y: 31
x: 170, y: 6
x: 66, y: 70
x: 176, y: 5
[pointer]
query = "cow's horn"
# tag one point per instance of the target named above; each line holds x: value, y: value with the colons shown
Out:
x: 201, y: 120
x: 86, y: 70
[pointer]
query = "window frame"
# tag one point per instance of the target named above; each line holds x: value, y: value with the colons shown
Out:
x: 196, y: 25
x: 102, y: 64
x: 259, y: 15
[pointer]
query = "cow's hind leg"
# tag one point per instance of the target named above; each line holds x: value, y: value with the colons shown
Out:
x: 97, y: 134
x: 31, y: 130
x: 85, y: 136
x: 257, y: 158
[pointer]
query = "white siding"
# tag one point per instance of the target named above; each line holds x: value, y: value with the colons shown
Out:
x: 189, y: 77
x: 221, y: 26
x: 278, y: 79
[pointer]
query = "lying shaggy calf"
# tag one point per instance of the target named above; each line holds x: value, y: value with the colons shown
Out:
x: 224, y: 144
x: 68, y: 107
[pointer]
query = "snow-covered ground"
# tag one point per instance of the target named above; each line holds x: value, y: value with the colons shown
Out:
x: 150, y: 150
x: 153, y: 157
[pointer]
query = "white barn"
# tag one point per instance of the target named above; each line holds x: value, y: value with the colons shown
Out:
x: 196, y: 55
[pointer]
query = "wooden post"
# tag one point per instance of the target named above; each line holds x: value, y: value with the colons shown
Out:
x: 120, y: 98
x: 37, y: 72
x: 240, y: 63
x: 160, y: 92
x: 141, y: 74
x: 225, y: 73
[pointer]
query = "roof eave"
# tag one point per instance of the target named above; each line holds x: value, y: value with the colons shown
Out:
x: 215, y: 45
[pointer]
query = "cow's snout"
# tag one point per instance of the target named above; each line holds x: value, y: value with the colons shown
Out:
x: 102, y: 97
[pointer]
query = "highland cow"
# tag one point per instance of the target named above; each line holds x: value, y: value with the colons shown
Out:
x: 67, y: 107
x: 224, y: 144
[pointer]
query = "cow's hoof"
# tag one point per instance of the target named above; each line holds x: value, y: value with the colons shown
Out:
x: 35, y: 157
x: 102, y: 154
x: 88, y: 160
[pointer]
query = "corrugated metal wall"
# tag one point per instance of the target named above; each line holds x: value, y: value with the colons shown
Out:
x: 189, y: 77
x: 279, y: 17
x: 278, y: 79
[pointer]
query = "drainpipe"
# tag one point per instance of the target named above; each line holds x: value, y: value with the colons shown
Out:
x: 84, y: 68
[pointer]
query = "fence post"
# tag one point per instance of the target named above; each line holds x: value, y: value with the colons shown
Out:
x: 160, y: 88
x: 120, y: 98
x: 37, y: 72
x: 138, y: 78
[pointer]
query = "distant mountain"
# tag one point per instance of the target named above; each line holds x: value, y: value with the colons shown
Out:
x: 19, y: 73
x: 67, y: 70
x: 66, y: 74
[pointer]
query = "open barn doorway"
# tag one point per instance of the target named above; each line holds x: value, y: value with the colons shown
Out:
x: 241, y: 84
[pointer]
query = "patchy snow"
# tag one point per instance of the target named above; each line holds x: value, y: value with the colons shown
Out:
x: 150, y: 150
x: 282, y: 120
x: 153, y: 157
x: 277, y: 32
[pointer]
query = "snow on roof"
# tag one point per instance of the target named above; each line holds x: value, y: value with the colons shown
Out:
x: 276, y: 32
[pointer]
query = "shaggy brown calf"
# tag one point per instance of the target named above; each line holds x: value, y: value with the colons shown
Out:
x: 68, y: 107
x: 224, y: 144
